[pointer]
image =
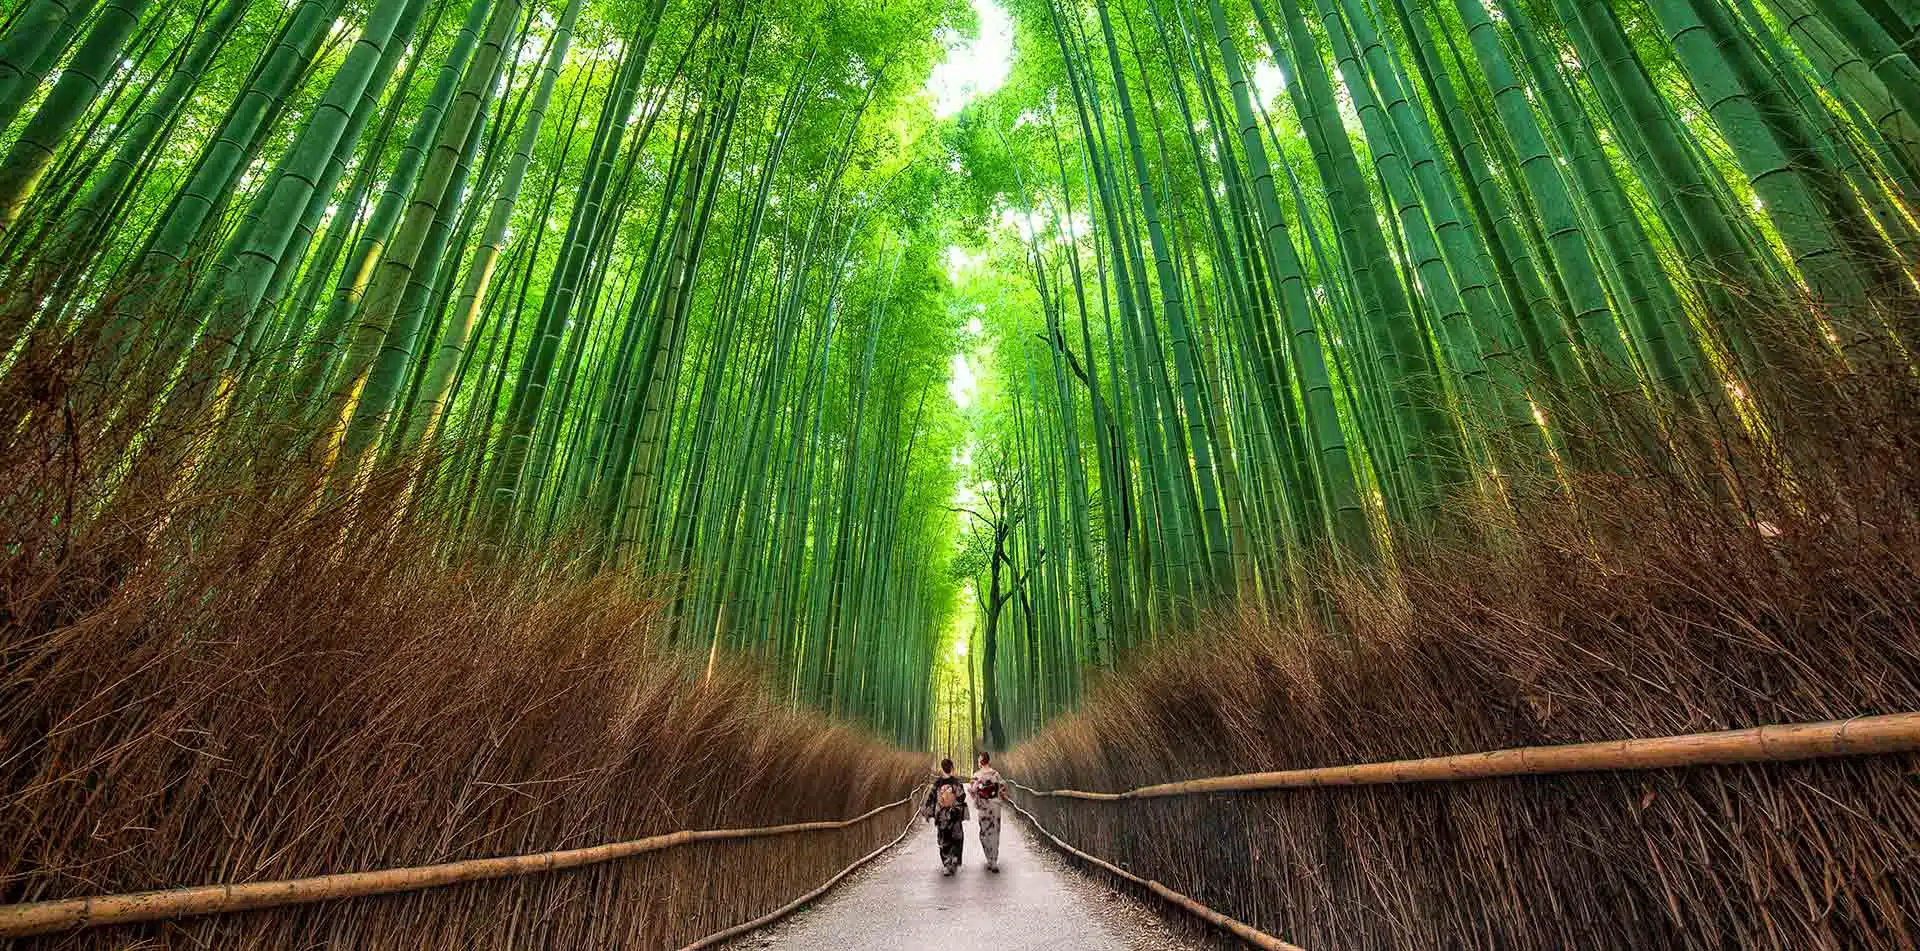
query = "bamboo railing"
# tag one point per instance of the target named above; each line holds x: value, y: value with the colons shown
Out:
x: 1891, y: 733
x: 1238, y: 928
x: 18, y: 921
x: 1860, y: 736
x: 722, y: 937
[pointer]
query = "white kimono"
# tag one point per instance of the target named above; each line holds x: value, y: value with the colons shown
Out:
x: 987, y: 789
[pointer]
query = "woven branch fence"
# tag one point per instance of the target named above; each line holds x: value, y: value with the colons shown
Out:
x: 1894, y: 733
x: 1234, y: 926
x: 44, y: 917
x: 1784, y: 743
x: 719, y: 938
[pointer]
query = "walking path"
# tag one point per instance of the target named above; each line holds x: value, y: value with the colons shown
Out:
x: 903, y: 902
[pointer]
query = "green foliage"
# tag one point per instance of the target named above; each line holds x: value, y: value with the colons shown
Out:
x: 1260, y: 286
x: 1353, y: 273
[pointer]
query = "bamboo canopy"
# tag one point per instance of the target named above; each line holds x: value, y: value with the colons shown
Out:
x: 1238, y: 928
x: 1860, y: 736
x: 19, y: 921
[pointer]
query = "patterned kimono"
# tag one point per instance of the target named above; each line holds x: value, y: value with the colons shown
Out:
x: 988, y: 790
x: 949, y: 822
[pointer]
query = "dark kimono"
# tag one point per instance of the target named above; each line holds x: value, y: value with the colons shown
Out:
x: 948, y: 822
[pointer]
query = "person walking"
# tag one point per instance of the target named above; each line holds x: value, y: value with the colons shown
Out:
x: 946, y: 808
x: 988, y: 790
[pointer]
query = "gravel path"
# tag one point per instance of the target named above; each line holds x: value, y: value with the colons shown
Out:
x: 1035, y: 903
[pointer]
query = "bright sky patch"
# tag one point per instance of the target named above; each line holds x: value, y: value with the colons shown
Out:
x: 962, y: 385
x: 975, y: 66
x: 1268, y: 81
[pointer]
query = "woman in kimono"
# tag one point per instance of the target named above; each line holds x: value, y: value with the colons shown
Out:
x: 988, y: 790
x: 947, y: 808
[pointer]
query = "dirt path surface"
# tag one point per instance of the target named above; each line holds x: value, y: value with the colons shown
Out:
x: 902, y: 902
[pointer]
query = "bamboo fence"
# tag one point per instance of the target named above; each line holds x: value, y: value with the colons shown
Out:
x: 23, y: 920
x: 1860, y: 736
x: 1238, y: 928
x: 721, y: 937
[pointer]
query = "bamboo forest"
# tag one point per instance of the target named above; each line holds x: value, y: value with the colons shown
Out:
x: 439, y: 413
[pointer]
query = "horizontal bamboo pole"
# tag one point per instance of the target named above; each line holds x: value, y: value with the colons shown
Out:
x: 721, y: 937
x: 18, y: 921
x: 1860, y: 736
x: 1238, y: 928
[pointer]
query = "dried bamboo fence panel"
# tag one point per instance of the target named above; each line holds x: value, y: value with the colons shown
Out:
x: 721, y: 937
x: 17, y: 921
x: 1239, y: 929
x: 1781, y: 743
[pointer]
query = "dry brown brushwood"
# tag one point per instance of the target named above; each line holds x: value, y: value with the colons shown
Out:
x: 240, y: 679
